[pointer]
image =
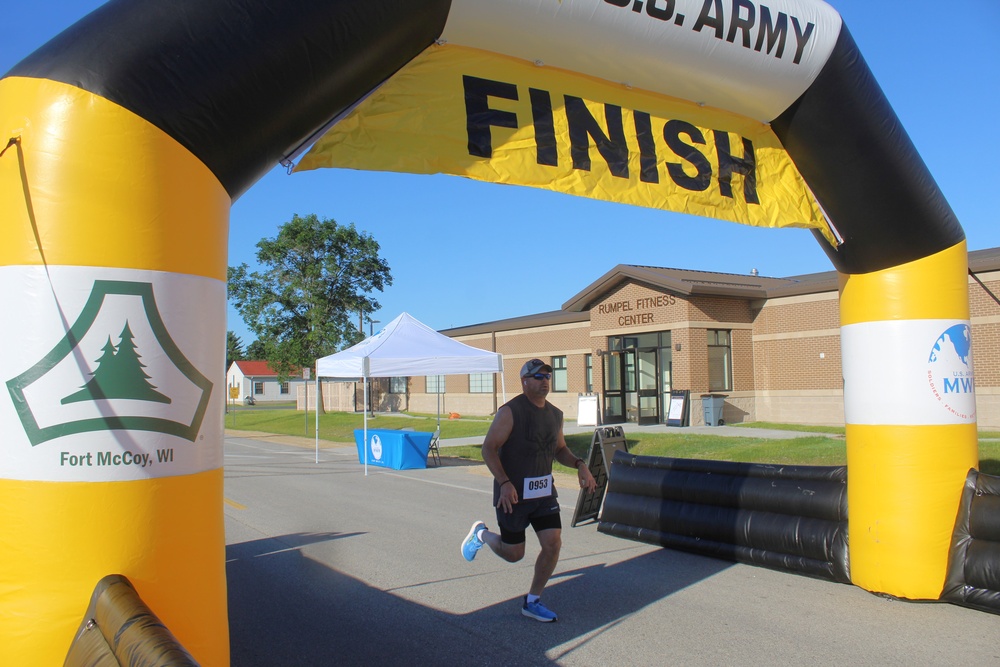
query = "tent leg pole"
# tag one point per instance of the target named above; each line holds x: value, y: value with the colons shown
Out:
x: 366, y: 424
x: 317, y: 418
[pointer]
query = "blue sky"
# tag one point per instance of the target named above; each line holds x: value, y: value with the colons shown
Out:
x: 463, y: 252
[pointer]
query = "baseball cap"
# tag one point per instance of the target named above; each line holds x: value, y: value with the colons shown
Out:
x: 535, y: 366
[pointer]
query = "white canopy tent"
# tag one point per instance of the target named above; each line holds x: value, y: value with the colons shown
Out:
x: 406, y: 347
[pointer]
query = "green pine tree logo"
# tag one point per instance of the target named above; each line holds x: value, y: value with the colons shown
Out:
x: 119, y: 374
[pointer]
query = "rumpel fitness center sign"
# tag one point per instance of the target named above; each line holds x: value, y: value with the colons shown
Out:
x: 646, y: 303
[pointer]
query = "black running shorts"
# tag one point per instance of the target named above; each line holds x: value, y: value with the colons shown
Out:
x: 540, y: 514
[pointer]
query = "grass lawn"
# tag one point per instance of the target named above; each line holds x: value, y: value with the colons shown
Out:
x: 339, y: 426
x: 808, y: 450
x: 816, y: 449
x: 805, y: 428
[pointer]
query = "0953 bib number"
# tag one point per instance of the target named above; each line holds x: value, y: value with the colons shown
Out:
x: 537, y: 487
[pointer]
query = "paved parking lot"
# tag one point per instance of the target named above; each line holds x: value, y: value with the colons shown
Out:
x: 328, y: 566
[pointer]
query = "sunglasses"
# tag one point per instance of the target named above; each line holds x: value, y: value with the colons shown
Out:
x: 541, y: 376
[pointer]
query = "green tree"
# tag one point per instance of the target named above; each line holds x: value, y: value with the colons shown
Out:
x: 234, y: 349
x: 316, y: 276
x: 119, y: 374
x: 256, y: 351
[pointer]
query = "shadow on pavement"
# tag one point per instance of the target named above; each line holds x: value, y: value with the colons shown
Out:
x: 288, y: 609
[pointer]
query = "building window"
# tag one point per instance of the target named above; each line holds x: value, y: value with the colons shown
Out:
x: 588, y: 363
x: 480, y: 383
x: 258, y: 388
x: 284, y: 388
x: 720, y: 360
x: 397, y: 385
x: 559, y: 374
x: 435, y: 384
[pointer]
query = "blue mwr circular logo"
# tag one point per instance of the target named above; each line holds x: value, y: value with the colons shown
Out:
x: 949, y: 371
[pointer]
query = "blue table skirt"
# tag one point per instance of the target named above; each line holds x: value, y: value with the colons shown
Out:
x: 399, y: 450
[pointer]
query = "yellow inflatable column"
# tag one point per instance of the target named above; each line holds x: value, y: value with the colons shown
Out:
x: 112, y: 281
x: 910, y: 407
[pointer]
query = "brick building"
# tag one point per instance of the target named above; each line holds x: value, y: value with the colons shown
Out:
x: 770, y: 345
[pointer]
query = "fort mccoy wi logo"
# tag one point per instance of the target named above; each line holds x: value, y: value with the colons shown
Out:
x: 116, y: 371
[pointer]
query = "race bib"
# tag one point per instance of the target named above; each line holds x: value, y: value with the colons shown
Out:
x: 537, y: 487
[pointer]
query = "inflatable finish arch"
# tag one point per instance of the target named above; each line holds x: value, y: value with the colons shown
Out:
x: 129, y: 135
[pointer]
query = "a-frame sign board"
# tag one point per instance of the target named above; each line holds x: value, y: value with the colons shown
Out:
x: 607, y: 440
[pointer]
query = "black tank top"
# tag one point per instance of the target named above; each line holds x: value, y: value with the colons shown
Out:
x: 531, y: 445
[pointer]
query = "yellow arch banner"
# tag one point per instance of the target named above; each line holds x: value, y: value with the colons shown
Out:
x: 466, y: 112
x: 96, y: 196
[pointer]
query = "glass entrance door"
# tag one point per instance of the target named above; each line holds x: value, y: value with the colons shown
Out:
x: 637, y: 373
x: 614, y: 395
x: 631, y: 395
x: 648, y: 387
x: 621, y: 398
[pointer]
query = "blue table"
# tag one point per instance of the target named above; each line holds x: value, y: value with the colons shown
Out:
x: 399, y: 450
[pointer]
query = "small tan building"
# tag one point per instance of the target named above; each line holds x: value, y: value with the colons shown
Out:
x: 771, y: 346
x: 257, y: 380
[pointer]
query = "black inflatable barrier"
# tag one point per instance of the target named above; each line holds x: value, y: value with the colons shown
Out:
x: 790, y: 518
x: 118, y: 629
x: 973, y: 578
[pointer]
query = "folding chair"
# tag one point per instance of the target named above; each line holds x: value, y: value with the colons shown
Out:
x: 434, y: 452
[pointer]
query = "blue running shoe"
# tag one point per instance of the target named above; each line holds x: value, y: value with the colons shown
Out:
x: 538, y: 611
x: 472, y: 544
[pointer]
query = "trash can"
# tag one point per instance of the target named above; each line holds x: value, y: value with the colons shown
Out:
x: 712, y: 405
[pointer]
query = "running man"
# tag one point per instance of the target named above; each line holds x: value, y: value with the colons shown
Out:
x: 524, y: 439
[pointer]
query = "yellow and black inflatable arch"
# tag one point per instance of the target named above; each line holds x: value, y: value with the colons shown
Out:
x: 129, y: 135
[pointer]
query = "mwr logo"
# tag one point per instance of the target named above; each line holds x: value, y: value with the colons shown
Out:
x: 376, y: 447
x: 949, y: 372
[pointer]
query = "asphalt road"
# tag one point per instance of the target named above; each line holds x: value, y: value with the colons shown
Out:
x: 327, y: 566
